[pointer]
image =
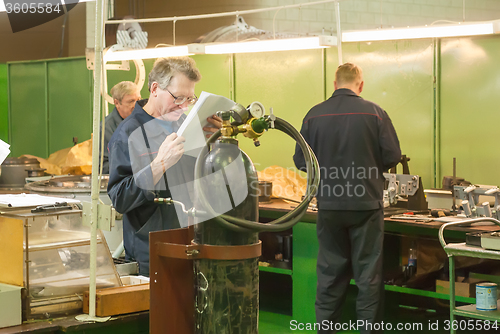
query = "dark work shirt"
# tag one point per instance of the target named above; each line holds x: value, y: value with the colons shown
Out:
x: 132, y: 148
x: 355, y: 143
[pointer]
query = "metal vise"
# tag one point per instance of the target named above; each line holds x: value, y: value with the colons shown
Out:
x: 469, y: 195
x: 407, y: 186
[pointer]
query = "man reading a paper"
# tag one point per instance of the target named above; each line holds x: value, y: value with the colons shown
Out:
x: 146, y: 157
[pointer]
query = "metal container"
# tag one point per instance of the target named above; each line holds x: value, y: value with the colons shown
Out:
x: 265, y: 191
x: 227, y: 291
x: 486, y: 296
x: 13, y: 171
x: 36, y: 172
x: 69, y: 186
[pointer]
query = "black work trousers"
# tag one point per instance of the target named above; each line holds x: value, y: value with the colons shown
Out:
x: 350, y: 244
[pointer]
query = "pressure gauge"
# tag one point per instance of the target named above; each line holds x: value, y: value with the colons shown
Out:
x: 256, y: 109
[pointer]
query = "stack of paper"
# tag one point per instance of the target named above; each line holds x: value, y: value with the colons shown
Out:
x: 192, y: 127
x: 28, y: 200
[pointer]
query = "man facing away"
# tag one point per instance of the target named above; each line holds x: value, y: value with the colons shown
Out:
x: 355, y: 143
x: 125, y: 94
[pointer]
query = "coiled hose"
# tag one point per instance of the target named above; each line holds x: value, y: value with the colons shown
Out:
x: 289, y: 219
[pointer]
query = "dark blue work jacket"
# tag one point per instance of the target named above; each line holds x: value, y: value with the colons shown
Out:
x: 355, y: 143
x: 132, y: 148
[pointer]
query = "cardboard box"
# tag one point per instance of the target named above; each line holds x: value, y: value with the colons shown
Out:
x: 463, y: 288
x: 119, y: 300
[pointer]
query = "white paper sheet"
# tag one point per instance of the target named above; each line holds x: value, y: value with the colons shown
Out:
x: 27, y: 200
x: 4, y: 150
x: 192, y: 127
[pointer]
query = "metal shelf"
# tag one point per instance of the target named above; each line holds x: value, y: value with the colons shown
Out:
x: 276, y: 270
x: 471, y: 312
x: 461, y: 249
x: 426, y: 293
x: 423, y: 293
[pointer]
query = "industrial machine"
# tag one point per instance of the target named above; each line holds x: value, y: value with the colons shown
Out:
x: 78, y: 187
x: 218, y: 254
x: 404, y: 190
x: 480, y: 201
x: 45, y: 250
x: 476, y: 200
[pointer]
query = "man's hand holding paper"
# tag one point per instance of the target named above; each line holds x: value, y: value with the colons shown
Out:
x: 202, y: 118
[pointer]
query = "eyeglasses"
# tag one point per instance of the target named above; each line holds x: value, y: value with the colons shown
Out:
x: 181, y: 99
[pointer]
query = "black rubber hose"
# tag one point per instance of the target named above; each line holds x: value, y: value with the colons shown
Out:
x: 292, y: 217
x: 302, y: 207
x: 288, y: 220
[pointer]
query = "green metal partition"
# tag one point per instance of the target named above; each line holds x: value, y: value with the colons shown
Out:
x: 398, y: 77
x: 4, y: 104
x: 289, y: 81
x: 470, y: 108
x: 49, y: 104
x: 69, y: 87
x: 28, y: 109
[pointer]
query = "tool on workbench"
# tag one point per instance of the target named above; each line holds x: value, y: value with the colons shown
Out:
x: 404, y: 190
x: 440, y: 213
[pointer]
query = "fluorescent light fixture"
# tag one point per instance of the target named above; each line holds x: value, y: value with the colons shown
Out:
x: 455, y: 30
x: 169, y: 51
x: 301, y: 43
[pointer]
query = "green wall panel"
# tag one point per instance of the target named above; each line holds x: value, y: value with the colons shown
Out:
x: 291, y: 82
x: 4, y: 104
x: 70, y: 109
x: 398, y: 76
x: 216, y: 74
x: 28, y: 107
x: 470, y: 108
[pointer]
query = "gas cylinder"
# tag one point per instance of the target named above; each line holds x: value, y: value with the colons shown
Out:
x: 227, y: 290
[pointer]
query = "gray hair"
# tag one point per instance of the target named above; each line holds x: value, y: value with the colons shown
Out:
x: 123, y: 88
x: 165, y: 68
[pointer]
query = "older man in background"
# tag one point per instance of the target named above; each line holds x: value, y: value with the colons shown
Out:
x: 125, y: 94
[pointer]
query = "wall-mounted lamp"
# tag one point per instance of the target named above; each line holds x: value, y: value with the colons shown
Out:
x: 455, y: 30
x: 301, y: 43
x: 169, y: 51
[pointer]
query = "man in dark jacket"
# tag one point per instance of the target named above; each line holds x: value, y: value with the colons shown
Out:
x: 125, y: 94
x: 146, y: 157
x: 355, y: 143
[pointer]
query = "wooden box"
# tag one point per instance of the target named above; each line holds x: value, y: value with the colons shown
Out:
x: 119, y: 300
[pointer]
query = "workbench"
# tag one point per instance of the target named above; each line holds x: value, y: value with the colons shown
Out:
x: 136, y: 323
x: 305, y: 250
x: 300, y: 273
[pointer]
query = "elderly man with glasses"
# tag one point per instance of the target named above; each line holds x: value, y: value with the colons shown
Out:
x: 146, y: 157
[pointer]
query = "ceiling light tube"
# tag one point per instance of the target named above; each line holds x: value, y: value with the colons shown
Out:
x: 169, y: 51
x: 456, y: 30
x: 301, y: 43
